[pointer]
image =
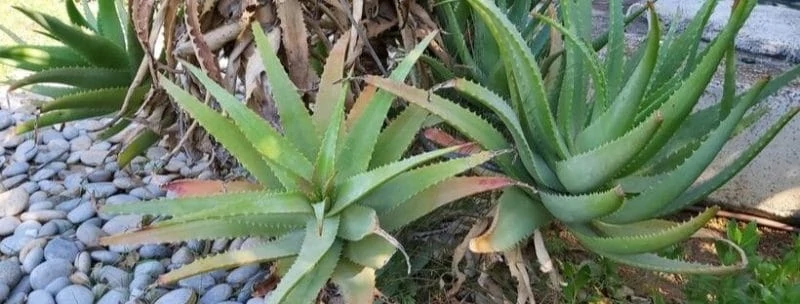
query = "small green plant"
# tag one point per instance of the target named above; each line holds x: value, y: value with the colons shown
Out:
x: 765, y: 280
x: 89, y: 74
x: 614, y: 145
x: 333, y: 187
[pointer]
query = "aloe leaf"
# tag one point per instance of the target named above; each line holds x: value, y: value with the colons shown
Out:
x: 407, y: 184
x: 685, y: 46
x: 75, y: 15
x: 357, y: 222
x: 308, y: 288
x: 649, y: 202
x: 438, y: 195
x: 108, y: 22
x: 642, y: 243
x: 534, y: 163
x: 360, y: 141
x: 515, y: 217
x: 134, y: 49
x: 615, y: 51
x: 590, y: 57
x: 729, y: 84
x: 702, y: 190
x: 639, y: 228
x: 285, y: 246
x: 116, y: 128
x: 356, y: 187
x: 137, y: 146
x: 279, y: 152
x: 95, y: 49
x: 396, y: 138
x: 654, y: 262
x: 40, y: 57
x: 325, y: 165
x: 570, y: 97
x: 355, y: 282
x: 316, y: 244
x: 466, y: 122
x: 455, y: 36
x: 582, y: 208
x: 61, y: 116
x: 518, y: 60
x: 226, y: 132
x: 271, y: 201
x: 235, y: 207
x: 680, y: 103
x: 372, y: 251
x: 331, y: 86
x: 295, y: 119
x: 209, y: 229
x: 619, y: 117
x: 100, y: 98
x: 82, y: 77
x: 587, y: 171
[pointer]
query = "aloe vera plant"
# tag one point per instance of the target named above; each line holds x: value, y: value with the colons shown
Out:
x: 615, y: 143
x: 333, y: 185
x: 88, y: 74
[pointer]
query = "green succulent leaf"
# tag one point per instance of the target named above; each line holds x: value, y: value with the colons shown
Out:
x: 82, y: 77
x: 649, y: 202
x: 437, y: 196
x: 582, y: 208
x: 641, y: 243
x: 226, y: 132
x: 355, y: 282
x: 583, y: 172
x: 108, y: 22
x: 75, y: 15
x: 680, y: 103
x: 518, y: 60
x: 288, y: 245
x: 100, y: 98
x: 360, y: 143
x: 372, y: 251
x: 356, y: 187
x: 515, y: 218
x: 358, y: 222
x: 405, y: 185
x: 308, y: 289
x: 295, y: 119
x: 137, y: 146
x: 209, y: 229
x: 697, y: 192
x: 38, y: 58
x: 279, y: 152
x: 398, y: 135
x: 61, y: 116
x: 316, y: 243
x: 94, y: 49
x: 619, y: 117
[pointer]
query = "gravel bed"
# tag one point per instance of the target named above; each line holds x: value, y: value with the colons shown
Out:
x: 51, y: 183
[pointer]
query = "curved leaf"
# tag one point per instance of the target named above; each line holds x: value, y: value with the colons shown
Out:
x: 285, y: 246
x: 226, y: 133
x: 62, y: 116
x: 514, y: 218
x: 308, y: 289
x: 40, y: 57
x: 101, y: 98
x: 316, y: 244
x: 582, y: 208
x: 437, y: 196
x: 94, y: 49
x: 587, y: 171
x: 356, y: 283
x: 295, y: 119
x: 108, y: 22
x: 641, y: 243
x: 82, y: 77
x: 137, y: 146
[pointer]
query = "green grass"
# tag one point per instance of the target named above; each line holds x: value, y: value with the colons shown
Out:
x: 22, y: 27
